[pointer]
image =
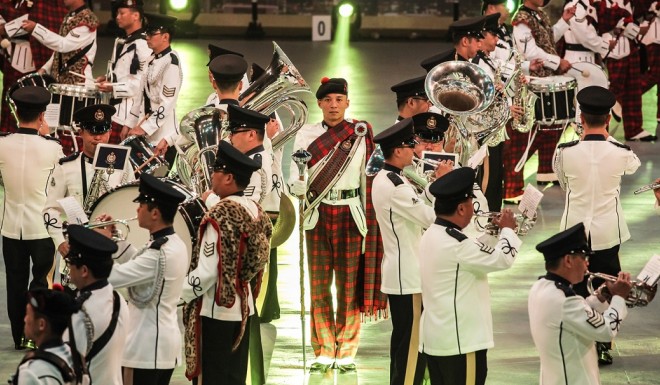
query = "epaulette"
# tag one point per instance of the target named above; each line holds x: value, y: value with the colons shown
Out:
x: 257, y: 159
x: 69, y: 158
x: 568, y: 291
x: 456, y: 234
x: 158, y: 243
x: 396, y: 179
x: 568, y: 144
x: 620, y: 145
x: 175, y: 59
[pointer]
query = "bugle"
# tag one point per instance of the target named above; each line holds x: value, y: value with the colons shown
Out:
x: 118, y: 235
x: 641, y: 293
x: 650, y: 186
x: 523, y: 223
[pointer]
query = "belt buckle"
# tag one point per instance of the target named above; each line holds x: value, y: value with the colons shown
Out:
x: 333, y: 195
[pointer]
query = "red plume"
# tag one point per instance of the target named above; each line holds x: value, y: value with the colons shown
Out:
x: 57, y: 287
x: 325, y: 79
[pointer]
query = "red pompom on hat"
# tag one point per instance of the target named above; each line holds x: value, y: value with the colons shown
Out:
x: 332, y: 86
x: 58, y: 287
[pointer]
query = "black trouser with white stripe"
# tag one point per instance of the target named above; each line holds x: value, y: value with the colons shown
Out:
x: 469, y: 369
x: 406, y: 364
x: 17, y: 255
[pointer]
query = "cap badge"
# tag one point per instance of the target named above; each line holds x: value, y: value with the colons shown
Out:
x: 430, y: 122
x: 111, y: 159
x: 99, y: 115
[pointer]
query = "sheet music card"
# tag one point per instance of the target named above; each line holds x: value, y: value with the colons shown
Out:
x: 651, y: 272
x: 74, y: 212
x: 110, y: 156
x: 530, y: 201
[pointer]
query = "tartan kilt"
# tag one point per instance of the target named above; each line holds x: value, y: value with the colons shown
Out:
x: 67, y: 141
x: 115, y: 133
x: 652, y: 77
x: 626, y: 84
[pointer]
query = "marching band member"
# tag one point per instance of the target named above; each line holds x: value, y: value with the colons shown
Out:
x: 564, y: 325
x: 429, y: 133
x: 159, y: 91
x: 73, y: 175
x: 74, y: 46
x: 623, y: 64
x: 227, y: 74
x: 26, y: 161
x: 505, y: 39
x: 340, y: 228
x: 456, y: 325
x: 592, y: 188
x: 47, y: 316
x: 25, y: 54
x: 466, y: 37
x: 154, y: 278
x: 127, y: 64
x: 214, y: 98
x: 401, y: 217
x: 101, y: 325
x: 535, y: 38
x: 582, y: 40
x: 411, y: 98
x: 223, y: 273
x: 650, y: 37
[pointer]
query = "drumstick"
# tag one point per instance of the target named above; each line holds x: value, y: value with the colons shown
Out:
x: 81, y: 76
x: 146, y: 162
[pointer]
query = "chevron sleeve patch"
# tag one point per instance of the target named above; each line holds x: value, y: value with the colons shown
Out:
x: 594, y: 318
x: 209, y: 247
x: 168, y: 92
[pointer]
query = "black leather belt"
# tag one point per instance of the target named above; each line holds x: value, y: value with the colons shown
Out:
x: 576, y: 47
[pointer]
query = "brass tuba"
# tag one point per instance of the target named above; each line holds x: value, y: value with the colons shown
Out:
x: 274, y: 89
x: 461, y: 89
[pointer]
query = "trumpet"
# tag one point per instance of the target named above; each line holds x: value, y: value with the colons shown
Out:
x: 523, y: 223
x: 117, y: 235
x: 650, y: 186
x: 641, y: 293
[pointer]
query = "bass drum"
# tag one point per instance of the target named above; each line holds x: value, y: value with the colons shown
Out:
x: 186, y: 222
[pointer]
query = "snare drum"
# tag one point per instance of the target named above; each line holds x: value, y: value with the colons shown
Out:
x: 33, y: 79
x: 556, y: 99
x: 143, y: 158
x: 588, y: 74
x: 186, y: 222
x: 71, y: 98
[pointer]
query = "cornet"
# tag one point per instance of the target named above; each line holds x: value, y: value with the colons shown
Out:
x: 118, y: 235
x: 641, y: 293
x: 650, y: 186
x: 523, y: 223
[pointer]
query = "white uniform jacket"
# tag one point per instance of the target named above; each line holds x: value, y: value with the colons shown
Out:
x: 158, y: 93
x: 105, y: 367
x: 565, y: 328
x: 401, y: 216
x: 261, y: 181
x: 590, y: 171
x: 526, y: 44
x: 456, y: 298
x: 623, y: 44
x: 582, y: 32
x: 40, y: 372
x: 352, y: 178
x: 203, y: 281
x: 127, y: 65
x: 653, y: 34
x: 157, y: 273
x: 67, y: 180
x: 26, y: 162
x: 78, y: 38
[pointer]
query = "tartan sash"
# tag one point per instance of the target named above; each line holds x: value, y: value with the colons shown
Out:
x: 325, y: 143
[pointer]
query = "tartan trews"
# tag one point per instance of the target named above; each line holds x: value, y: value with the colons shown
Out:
x: 625, y: 83
x: 334, y: 247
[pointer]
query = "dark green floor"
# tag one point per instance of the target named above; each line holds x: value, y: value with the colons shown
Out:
x: 371, y: 68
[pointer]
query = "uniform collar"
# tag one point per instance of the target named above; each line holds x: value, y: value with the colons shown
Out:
x: 139, y: 34
x: 52, y: 343
x: 163, y: 52
x: 327, y: 126
x: 162, y: 233
x: 399, y: 118
x: 389, y: 167
x: 446, y: 223
x: 100, y: 284
x: 594, y: 137
x: 229, y: 101
x: 27, y: 131
x: 255, y: 150
x: 86, y: 158
x: 556, y: 278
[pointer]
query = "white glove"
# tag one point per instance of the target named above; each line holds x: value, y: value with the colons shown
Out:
x: 631, y: 31
x: 298, y: 188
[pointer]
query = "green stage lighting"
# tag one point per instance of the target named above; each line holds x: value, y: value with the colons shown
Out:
x: 346, y: 10
x: 511, y: 5
x: 178, y: 5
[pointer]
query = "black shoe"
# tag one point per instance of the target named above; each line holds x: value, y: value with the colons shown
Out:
x: 616, y: 117
x: 604, y: 356
x: 647, y: 138
x: 318, y: 367
x: 347, y: 368
x: 19, y: 347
